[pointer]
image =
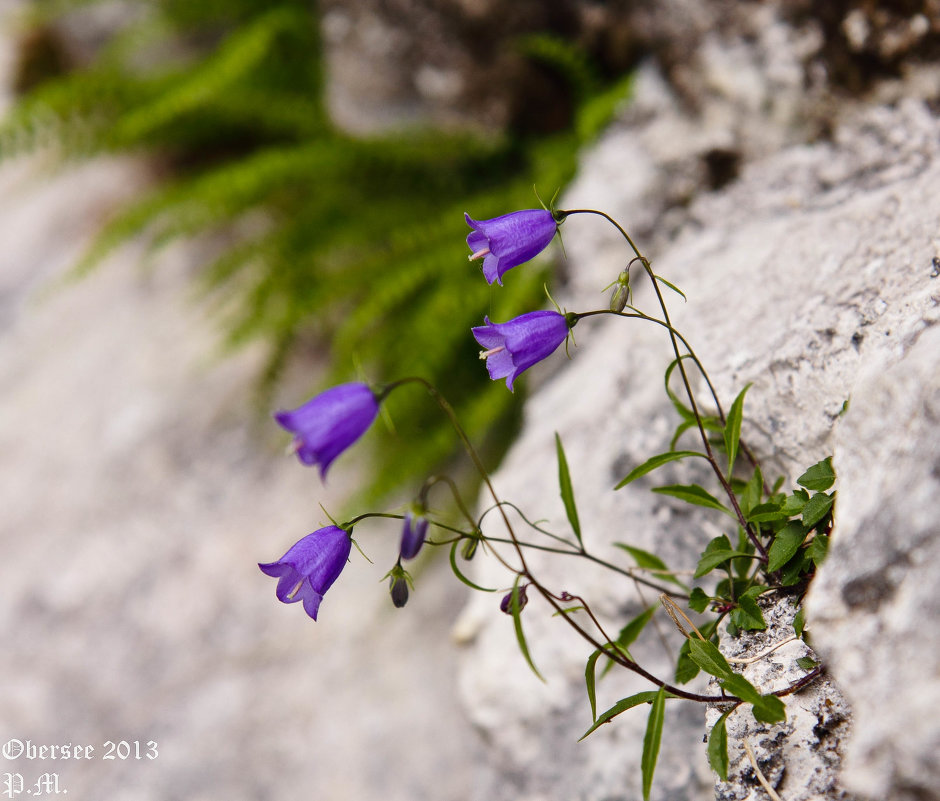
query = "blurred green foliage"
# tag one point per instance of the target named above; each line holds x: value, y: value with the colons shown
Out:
x: 356, y: 246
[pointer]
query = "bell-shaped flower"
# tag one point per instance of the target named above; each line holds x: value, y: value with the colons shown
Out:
x: 330, y: 422
x: 413, y: 533
x: 507, y: 241
x: 513, y: 347
x: 310, y: 567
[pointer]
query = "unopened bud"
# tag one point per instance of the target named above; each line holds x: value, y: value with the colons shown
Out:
x: 469, y: 548
x: 621, y: 294
x: 506, y: 604
x: 398, y: 589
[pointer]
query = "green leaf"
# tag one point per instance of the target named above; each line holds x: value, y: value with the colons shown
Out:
x: 785, y: 544
x: 693, y: 493
x: 753, y: 490
x: 806, y: 662
x: 770, y: 709
x: 632, y: 630
x: 567, y: 493
x: 818, y: 549
x: 710, y: 561
x: 673, y: 287
x: 686, y: 669
x: 799, y: 622
x: 517, y: 624
x: 732, y: 430
x: 819, y: 477
x: 766, y: 513
x: 748, y: 615
x: 621, y: 706
x: 816, y: 508
x: 654, y: 462
x: 793, y: 504
x: 461, y: 576
x: 794, y: 570
x: 737, y: 685
x: 684, y: 411
x: 718, y: 747
x: 589, y: 680
x: 650, y: 561
x: 706, y: 655
x: 651, y: 740
x: 698, y: 600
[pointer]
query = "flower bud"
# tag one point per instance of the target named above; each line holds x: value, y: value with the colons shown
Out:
x: 398, y: 589
x: 621, y: 294
x: 506, y: 604
x: 469, y: 548
x: 399, y: 583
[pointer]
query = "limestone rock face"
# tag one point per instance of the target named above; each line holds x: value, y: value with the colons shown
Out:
x: 813, y: 277
x: 875, y: 603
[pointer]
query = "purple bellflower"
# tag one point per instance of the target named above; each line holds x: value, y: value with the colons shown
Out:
x: 507, y: 241
x: 513, y: 347
x: 310, y: 567
x: 413, y: 533
x: 329, y: 423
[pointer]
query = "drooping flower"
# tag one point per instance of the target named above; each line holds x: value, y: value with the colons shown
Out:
x: 310, y: 567
x: 414, y: 530
x: 514, y: 346
x: 330, y: 422
x: 507, y: 241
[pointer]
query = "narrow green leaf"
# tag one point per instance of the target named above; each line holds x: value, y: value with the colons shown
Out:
x: 651, y: 740
x: 799, y: 622
x: 684, y: 411
x: 785, y: 544
x: 718, y: 747
x: 806, y: 662
x: 643, y: 558
x: 816, y: 508
x: 567, y: 492
x: 684, y: 426
x: 770, y: 709
x: 693, y: 493
x: 650, y: 561
x: 752, y: 493
x: 673, y: 287
x: 632, y: 630
x: 656, y: 461
x: 698, y: 600
x: 736, y: 684
x: 733, y: 428
x: 461, y: 576
x: 686, y: 669
x: 590, y: 679
x: 621, y: 706
x: 710, y: 561
x: 706, y: 655
x: 567, y: 611
x: 517, y: 624
x: 819, y: 477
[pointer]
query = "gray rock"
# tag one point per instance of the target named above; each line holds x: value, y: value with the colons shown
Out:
x: 876, y: 602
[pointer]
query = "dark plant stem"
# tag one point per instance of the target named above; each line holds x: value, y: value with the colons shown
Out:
x: 674, y: 339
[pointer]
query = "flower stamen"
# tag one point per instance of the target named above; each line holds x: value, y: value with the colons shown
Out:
x: 479, y: 254
x: 485, y: 354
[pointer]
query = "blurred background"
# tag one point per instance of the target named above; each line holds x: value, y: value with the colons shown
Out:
x: 210, y: 210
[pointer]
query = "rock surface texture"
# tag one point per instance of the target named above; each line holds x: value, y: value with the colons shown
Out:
x: 813, y: 277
